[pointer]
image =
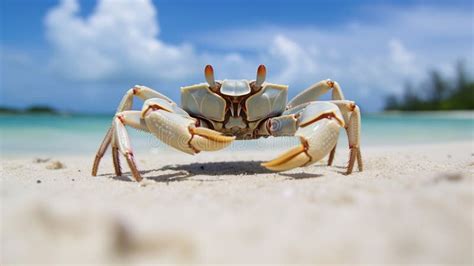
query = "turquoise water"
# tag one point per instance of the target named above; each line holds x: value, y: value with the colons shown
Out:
x: 49, y: 135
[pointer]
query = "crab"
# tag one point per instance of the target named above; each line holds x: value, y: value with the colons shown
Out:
x: 214, y: 114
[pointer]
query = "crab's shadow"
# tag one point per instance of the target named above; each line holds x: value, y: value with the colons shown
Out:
x: 207, y: 172
x: 211, y: 169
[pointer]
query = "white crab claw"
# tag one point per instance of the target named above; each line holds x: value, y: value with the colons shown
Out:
x: 180, y: 132
x: 204, y: 139
x: 318, y: 132
x: 295, y: 157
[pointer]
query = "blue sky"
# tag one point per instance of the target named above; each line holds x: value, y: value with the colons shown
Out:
x: 83, y: 55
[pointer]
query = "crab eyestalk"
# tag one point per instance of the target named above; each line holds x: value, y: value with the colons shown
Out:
x: 261, y: 74
x: 209, y: 74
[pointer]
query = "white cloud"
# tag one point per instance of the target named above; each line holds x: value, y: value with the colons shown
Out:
x: 297, y: 61
x: 120, y: 38
x: 399, y: 54
x: 367, y: 56
x: 403, y: 60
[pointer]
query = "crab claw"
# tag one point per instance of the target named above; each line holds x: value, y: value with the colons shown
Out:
x: 204, y: 139
x: 319, y: 125
x: 180, y: 131
x: 292, y: 158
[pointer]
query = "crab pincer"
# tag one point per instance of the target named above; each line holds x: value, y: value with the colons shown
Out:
x: 318, y: 126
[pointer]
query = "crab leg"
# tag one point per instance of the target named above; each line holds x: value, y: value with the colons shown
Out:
x: 332, y: 154
x: 102, y: 149
x: 318, y: 129
x: 123, y: 142
x: 313, y: 92
x: 141, y: 92
x: 353, y: 132
x: 351, y: 114
x: 116, y: 159
x: 131, y: 118
x: 126, y: 103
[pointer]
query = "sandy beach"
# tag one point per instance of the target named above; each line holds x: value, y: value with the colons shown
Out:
x: 412, y: 204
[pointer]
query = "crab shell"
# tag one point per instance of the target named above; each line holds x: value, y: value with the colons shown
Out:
x: 213, y: 114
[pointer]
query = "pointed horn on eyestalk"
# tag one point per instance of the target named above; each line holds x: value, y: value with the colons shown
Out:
x: 209, y: 74
x: 261, y: 74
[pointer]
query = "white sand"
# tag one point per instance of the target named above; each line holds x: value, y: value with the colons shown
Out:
x: 410, y: 205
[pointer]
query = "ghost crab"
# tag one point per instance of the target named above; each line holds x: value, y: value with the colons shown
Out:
x: 215, y: 113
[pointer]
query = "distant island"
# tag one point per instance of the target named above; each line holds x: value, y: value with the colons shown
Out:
x: 34, y: 109
x: 436, y: 94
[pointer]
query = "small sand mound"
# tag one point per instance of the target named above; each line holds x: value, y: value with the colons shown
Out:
x: 55, y: 165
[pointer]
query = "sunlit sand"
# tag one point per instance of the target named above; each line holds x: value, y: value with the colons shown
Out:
x: 412, y: 204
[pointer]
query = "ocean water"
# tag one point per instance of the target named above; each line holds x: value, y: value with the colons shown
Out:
x: 47, y: 135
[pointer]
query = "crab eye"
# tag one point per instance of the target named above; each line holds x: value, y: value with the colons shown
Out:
x: 209, y: 74
x: 261, y: 74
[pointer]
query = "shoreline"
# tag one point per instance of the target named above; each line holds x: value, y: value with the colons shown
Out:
x: 237, y: 147
x: 447, y: 113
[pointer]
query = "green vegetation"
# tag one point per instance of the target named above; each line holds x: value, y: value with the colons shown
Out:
x: 35, y: 109
x: 40, y: 109
x: 8, y: 110
x: 438, y: 93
